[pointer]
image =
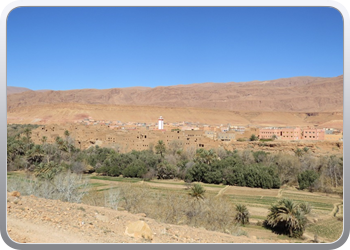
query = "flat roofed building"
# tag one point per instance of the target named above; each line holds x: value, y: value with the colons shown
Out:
x: 313, y: 134
x: 280, y: 133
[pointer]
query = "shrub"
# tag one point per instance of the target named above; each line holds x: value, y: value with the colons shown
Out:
x: 307, y: 178
x: 166, y: 171
x: 253, y: 137
x: 65, y: 186
x: 135, y: 169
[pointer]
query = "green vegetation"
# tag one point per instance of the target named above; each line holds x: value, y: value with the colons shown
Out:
x: 287, y: 217
x: 50, y: 167
x: 242, y: 214
x: 245, y: 168
x: 253, y: 137
x: 264, y: 140
x: 330, y: 229
x: 197, y: 191
x: 307, y: 178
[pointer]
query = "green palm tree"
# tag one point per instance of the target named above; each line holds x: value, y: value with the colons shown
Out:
x: 28, y: 134
x: 287, y: 216
x: 197, y: 191
x: 160, y: 148
x: 205, y: 156
x: 242, y: 215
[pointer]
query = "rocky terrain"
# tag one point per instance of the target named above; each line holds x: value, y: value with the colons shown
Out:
x: 297, y: 101
x: 36, y: 220
x: 296, y: 94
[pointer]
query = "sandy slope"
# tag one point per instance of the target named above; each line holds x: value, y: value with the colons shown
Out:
x: 296, y: 94
x: 63, y: 113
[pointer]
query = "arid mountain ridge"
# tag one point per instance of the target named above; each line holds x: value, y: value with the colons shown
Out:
x: 296, y: 94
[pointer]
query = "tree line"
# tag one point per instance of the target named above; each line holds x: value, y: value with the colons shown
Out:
x: 242, y: 168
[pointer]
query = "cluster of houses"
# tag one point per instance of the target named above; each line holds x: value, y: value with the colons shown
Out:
x: 296, y: 133
x: 183, y: 126
x: 139, y: 136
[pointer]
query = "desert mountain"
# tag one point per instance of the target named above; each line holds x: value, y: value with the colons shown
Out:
x: 14, y: 90
x: 296, y: 94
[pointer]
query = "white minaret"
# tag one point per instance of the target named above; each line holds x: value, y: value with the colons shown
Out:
x: 160, y: 122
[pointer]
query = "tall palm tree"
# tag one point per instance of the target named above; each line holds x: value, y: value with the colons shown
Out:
x: 160, y: 148
x: 242, y: 214
x: 288, y: 216
x: 27, y: 133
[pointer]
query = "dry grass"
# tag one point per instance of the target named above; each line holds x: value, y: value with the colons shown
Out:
x: 212, y: 213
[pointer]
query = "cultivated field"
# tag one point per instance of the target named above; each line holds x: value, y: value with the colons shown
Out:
x: 325, y: 220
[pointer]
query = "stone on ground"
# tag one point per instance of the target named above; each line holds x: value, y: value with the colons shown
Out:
x: 139, y: 229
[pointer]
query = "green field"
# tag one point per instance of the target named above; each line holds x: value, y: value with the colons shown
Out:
x: 325, y: 225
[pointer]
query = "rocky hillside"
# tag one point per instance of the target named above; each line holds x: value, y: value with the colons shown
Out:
x: 36, y: 220
x: 297, y: 94
x: 15, y: 90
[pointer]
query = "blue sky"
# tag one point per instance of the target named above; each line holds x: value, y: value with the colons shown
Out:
x: 63, y: 48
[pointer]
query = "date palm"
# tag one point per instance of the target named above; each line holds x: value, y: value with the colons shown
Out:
x: 242, y: 214
x: 28, y: 134
x: 197, y: 191
x: 288, y: 216
x: 205, y: 156
x: 160, y: 148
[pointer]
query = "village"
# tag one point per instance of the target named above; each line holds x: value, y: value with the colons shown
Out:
x: 127, y: 136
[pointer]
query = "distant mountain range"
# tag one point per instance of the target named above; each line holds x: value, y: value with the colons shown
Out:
x: 296, y: 94
x: 15, y: 90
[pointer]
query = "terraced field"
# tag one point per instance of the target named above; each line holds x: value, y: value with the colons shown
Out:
x: 327, y: 227
x: 325, y: 220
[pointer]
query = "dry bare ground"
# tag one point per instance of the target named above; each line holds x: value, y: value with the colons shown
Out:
x: 71, y: 112
x: 36, y: 220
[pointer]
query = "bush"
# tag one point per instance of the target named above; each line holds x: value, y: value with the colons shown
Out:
x: 252, y: 176
x: 253, y: 137
x: 65, y: 186
x: 166, y: 171
x: 307, y: 178
x: 135, y: 169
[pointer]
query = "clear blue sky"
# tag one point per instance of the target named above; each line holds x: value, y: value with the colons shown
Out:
x: 73, y: 48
